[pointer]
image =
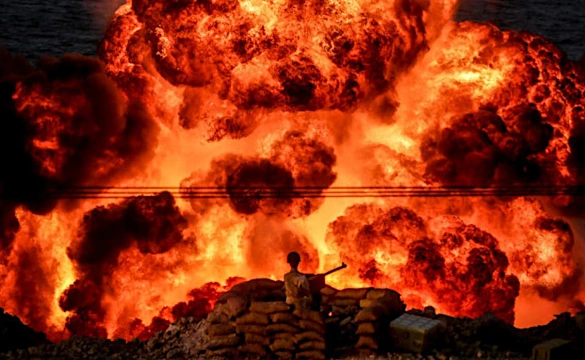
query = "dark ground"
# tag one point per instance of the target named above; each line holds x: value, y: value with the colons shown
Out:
x: 486, y: 337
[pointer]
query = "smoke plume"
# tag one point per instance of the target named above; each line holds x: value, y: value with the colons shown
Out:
x: 151, y: 224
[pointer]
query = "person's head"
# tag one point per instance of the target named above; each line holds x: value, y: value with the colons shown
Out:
x: 293, y: 259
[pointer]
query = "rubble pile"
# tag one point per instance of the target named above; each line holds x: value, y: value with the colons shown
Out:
x: 79, y: 348
x: 184, y: 339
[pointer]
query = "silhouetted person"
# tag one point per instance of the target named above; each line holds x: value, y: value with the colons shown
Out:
x: 296, y: 284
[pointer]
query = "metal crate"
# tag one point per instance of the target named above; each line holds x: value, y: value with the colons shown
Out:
x: 552, y: 350
x: 414, y: 333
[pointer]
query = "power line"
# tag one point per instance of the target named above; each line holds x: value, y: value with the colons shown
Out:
x: 265, y: 192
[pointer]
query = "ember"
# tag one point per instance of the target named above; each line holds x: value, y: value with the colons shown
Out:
x: 270, y: 110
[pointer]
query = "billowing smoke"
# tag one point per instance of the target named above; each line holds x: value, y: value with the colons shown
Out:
x: 34, y: 282
x: 462, y: 267
x: 564, y: 280
x: 9, y: 226
x: 497, y: 154
x: 519, y: 127
x: 267, y: 188
x: 66, y: 124
x: 356, y: 56
x: 153, y: 225
x: 310, y: 161
x: 243, y: 58
x: 199, y: 303
x: 271, y: 186
x: 234, y: 124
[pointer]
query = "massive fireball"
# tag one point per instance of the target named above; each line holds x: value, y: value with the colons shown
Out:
x: 246, y: 118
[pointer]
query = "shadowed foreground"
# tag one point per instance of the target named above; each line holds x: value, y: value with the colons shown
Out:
x: 342, y: 315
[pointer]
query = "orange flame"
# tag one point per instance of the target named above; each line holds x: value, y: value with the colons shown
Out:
x: 230, y: 93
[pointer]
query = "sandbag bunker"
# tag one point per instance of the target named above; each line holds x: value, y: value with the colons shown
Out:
x: 252, y: 320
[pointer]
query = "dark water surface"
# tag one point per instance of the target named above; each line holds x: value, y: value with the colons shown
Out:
x: 55, y: 27
x: 561, y: 21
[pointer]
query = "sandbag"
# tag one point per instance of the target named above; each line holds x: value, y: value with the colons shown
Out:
x: 346, y: 321
x: 251, y: 338
x: 254, y: 349
x: 287, y: 336
x: 366, y: 328
x: 256, y: 285
x: 356, y: 294
x: 370, y: 314
x: 253, y: 318
x: 328, y: 291
x: 284, y: 318
x: 345, y: 302
x: 218, y: 315
x: 388, y: 299
x: 223, y: 298
x: 251, y: 329
x: 389, y: 308
x: 219, y: 342
x: 282, y: 344
x: 281, y: 328
x: 375, y: 294
x: 267, y: 295
x: 317, y: 355
x: 312, y: 326
x: 218, y: 318
x: 228, y: 353
x: 366, y: 303
x: 344, y: 311
x: 308, y: 314
x: 313, y: 345
x: 236, y: 305
x: 271, y: 307
x: 284, y: 354
x: 308, y: 336
x: 367, y: 342
x: 220, y: 329
x: 332, y: 321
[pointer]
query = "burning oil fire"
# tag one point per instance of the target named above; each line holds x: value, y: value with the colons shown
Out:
x: 281, y: 96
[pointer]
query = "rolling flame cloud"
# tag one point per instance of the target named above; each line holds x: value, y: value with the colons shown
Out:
x: 262, y: 100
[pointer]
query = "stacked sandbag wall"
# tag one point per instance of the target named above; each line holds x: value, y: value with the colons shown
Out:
x: 379, y: 307
x: 358, y: 319
x: 269, y: 328
x: 341, y: 308
x: 252, y: 320
x: 221, y: 330
x: 224, y: 339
